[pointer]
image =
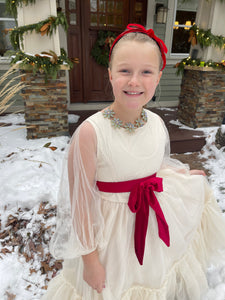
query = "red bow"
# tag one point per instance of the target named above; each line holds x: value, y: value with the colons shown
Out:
x: 141, y: 197
x: 149, y: 32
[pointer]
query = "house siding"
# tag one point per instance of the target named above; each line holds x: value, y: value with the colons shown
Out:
x: 170, y: 85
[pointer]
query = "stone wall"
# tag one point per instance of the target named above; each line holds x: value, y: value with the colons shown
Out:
x: 46, y: 113
x: 202, y: 97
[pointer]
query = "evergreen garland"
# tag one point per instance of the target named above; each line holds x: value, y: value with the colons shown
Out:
x: 198, y: 63
x: 101, y: 48
x: 205, y: 38
x: 11, y: 6
x: 47, y: 26
x: 46, y: 62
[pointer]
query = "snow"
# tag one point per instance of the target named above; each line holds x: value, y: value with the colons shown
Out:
x: 29, y: 175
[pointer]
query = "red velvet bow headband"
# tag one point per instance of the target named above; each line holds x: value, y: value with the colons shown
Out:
x: 149, y: 32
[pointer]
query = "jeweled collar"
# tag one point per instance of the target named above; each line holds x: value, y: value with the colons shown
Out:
x: 130, y: 127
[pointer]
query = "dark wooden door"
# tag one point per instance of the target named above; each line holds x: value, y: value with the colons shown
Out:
x: 89, y: 80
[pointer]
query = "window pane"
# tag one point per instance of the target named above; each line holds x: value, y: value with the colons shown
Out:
x: 72, y: 4
x: 119, y: 7
x: 94, y: 20
x: 184, y: 16
x: 3, y: 13
x: 190, y: 5
x: 181, y: 34
x: 180, y: 41
x: 73, y: 19
x: 93, y: 5
x: 110, y: 6
x: 119, y: 21
x: 107, y: 13
x: 102, y: 6
x: 110, y: 20
x: 4, y: 38
x: 102, y: 20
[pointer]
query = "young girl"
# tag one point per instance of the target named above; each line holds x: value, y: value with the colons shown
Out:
x: 132, y: 223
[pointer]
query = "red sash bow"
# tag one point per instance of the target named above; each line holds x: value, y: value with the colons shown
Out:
x: 141, y: 197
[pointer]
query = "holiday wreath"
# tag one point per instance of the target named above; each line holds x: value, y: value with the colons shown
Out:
x: 100, y: 50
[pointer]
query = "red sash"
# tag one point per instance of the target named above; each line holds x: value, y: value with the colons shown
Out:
x: 141, y: 197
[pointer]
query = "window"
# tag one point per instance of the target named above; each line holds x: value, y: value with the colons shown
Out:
x: 184, y: 18
x: 107, y: 13
x: 6, y: 22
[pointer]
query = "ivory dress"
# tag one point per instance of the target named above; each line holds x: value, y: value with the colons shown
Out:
x: 196, y: 224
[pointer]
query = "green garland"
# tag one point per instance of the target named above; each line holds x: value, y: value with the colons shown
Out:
x: 48, y: 63
x: 11, y: 5
x: 198, y: 63
x: 205, y: 38
x: 101, y: 48
x: 47, y: 26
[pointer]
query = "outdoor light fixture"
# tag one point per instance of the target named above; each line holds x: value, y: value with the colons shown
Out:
x: 161, y: 13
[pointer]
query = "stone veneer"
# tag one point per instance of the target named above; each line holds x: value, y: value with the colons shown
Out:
x: 46, y: 113
x: 202, y: 97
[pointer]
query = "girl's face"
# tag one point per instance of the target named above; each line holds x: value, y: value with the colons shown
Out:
x: 134, y: 74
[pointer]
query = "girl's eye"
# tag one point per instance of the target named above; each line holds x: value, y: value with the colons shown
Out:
x: 124, y: 71
x: 147, y: 72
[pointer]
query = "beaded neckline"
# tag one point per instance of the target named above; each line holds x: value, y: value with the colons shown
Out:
x: 130, y: 127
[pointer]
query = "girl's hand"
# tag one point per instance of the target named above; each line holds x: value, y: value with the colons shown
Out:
x: 94, y: 273
x: 197, y: 172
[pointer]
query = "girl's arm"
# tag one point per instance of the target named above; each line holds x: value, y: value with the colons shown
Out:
x: 83, y: 209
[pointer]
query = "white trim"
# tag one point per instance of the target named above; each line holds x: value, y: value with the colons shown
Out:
x: 150, y: 14
x: 169, y: 25
x: 35, y: 43
x: 7, y: 19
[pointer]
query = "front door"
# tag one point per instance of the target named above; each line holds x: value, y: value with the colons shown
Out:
x: 89, y: 80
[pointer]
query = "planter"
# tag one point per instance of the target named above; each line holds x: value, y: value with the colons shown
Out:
x: 202, y: 97
x: 46, y: 113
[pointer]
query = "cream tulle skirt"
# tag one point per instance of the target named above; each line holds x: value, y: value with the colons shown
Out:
x: 197, y: 234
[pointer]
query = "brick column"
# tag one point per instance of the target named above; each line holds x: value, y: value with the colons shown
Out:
x: 202, y: 97
x: 46, y: 113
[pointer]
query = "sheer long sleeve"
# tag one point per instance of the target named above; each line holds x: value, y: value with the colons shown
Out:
x: 79, y: 220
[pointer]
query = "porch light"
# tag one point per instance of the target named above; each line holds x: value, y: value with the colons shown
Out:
x: 161, y: 14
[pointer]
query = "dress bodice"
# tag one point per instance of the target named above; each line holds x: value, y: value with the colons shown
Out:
x: 124, y: 156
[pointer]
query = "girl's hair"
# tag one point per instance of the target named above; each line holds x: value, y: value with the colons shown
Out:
x: 137, y: 37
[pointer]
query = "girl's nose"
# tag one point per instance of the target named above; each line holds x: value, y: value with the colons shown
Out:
x: 134, y: 80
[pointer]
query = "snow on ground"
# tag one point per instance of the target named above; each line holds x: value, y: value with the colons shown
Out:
x: 29, y: 176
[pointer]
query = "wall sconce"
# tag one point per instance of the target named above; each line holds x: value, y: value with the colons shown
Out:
x: 161, y: 13
x: 175, y: 25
